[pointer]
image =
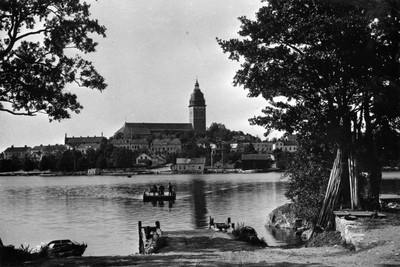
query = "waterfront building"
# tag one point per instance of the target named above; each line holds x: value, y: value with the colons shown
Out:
x: 158, y: 159
x: 186, y: 165
x: 256, y: 161
x: 143, y: 159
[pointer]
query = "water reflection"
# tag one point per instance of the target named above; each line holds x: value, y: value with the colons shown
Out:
x: 199, y: 201
x: 161, y: 203
x: 284, y: 236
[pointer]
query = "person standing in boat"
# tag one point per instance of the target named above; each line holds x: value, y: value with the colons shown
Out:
x: 158, y: 189
x: 161, y: 190
x: 154, y: 190
x: 170, y: 190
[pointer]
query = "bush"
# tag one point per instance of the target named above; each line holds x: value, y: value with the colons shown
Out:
x: 308, y: 180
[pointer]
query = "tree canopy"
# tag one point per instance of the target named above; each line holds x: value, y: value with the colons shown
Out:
x: 329, y: 70
x: 38, y: 40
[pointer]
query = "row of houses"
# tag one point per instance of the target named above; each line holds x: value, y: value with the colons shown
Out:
x: 83, y: 144
x: 173, y: 145
x: 154, y: 151
x: 198, y: 165
x: 158, y: 146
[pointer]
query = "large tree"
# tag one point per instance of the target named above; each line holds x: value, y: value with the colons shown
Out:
x: 322, y: 67
x: 39, y: 41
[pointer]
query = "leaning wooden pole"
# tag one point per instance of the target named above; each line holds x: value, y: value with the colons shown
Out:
x: 326, y: 215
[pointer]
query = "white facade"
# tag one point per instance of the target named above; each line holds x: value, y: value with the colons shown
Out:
x: 184, y: 165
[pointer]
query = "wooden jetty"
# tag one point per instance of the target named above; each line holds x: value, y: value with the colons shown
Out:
x: 148, y: 236
x: 221, y: 226
x: 389, y: 198
x: 147, y: 197
x: 358, y: 213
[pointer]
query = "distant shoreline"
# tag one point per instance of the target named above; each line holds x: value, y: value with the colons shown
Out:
x: 156, y: 171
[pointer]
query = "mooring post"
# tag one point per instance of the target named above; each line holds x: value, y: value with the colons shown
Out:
x: 211, y: 222
x: 229, y: 220
x: 141, y: 244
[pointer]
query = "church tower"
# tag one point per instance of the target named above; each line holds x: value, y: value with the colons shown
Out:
x: 197, y: 110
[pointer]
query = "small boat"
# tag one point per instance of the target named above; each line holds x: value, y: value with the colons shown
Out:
x: 65, y: 248
x: 154, y: 197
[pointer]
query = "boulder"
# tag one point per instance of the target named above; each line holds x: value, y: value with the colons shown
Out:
x: 284, y: 217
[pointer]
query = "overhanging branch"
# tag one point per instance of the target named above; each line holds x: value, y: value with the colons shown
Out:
x: 19, y: 113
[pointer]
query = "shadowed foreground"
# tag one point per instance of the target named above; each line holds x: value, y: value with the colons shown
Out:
x: 209, y: 248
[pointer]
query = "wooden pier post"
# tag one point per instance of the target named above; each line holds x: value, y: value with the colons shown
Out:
x: 211, y: 222
x: 141, y: 243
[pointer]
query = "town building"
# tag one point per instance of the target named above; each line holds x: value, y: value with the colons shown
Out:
x: 286, y: 146
x: 291, y: 137
x: 150, y: 160
x: 166, y: 145
x: 197, y: 121
x: 186, y: 165
x: 256, y: 161
x: 83, y: 143
x: 158, y: 159
x: 144, y: 159
x: 263, y: 147
x: 197, y: 110
x: 37, y: 152
x: 19, y: 152
x: 132, y: 144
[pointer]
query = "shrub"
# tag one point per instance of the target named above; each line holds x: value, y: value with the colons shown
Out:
x: 308, y: 180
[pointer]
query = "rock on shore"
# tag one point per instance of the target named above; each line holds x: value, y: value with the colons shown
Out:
x: 284, y: 217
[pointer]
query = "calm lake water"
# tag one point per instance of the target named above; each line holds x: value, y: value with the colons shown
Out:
x: 104, y: 211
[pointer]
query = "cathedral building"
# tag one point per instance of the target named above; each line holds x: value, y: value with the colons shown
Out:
x: 197, y: 110
x: 197, y: 121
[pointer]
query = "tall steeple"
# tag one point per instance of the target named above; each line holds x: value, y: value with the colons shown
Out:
x: 197, y: 110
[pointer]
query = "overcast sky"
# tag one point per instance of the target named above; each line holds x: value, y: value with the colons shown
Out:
x: 153, y: 52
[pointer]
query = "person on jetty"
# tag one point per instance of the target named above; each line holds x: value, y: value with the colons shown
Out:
x: 170, y: 189
x: 161, y: 188
x: 154, y: 190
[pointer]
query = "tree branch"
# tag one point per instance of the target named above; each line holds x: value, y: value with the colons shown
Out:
x: 29, y: 113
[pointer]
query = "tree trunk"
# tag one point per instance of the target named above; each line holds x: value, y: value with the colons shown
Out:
x: 373, y: 149
x: 354, y: 200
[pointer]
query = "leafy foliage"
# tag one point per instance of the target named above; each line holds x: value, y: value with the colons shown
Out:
x: 308, y: 179
x: 327, y: 69
x: 35, y: 68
